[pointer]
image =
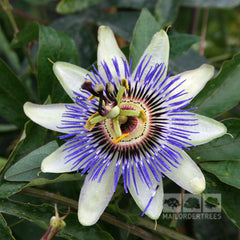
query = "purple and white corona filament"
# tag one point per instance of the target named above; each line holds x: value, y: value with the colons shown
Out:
x: 130, y: 123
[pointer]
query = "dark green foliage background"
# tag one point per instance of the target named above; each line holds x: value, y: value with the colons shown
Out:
x: 66, y: 30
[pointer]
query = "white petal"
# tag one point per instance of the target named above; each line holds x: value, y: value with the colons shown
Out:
x: 187, y: 175
x: 144, y: 195
x: 56, y: 162
x: 158, y: 50
x: 107, y: 50
x: 195, y: 80
x: 70, y: 76
x: 95, y: 196
x: 207, y: 129
x: 48, y: 116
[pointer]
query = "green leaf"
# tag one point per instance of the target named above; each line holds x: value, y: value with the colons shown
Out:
x: 211, y: 3
x: 12, y: 96
x: 9, y: 188
x: 55, y: 46
x: 8, y: 52
x: 41, y: 214
x: 38, y: 2
x: 33, y: 137
x: 180, y: 43
x: 2, y: 162
x: 221, y: 93
x: 166, y: 11
x: 28, y: 168
x: 188, y: 61
x: 28, y: 34
x: 218, y: 229
x: 135, y: 4
x: 224, y: 148
x: 144, y: 30
x: 61, y: 178
x: 5, y: 231
x: 225, y: 171
x: 230, y: 197
x: 74, y: 27
x: 7, y: 127
x: 122, y: 23
x: 71, y: 6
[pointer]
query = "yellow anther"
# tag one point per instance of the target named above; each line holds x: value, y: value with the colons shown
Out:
x: 110, y: 87
x: 91, y: 98
x: 124, y: 83
x: 116, y: 140
x: 142, y: 116
x: 88, y: 124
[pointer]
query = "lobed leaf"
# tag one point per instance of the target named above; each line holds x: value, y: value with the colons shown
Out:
x: 28, y: 167
x: 53, y: 46
x: 144, y: 30
x: 230, y: 197
x: 27, y: 35
x: 221, y: 93
x: 5, y: 231
x: 226, y: 171
x: 12, y: 96
x: 180, y: 43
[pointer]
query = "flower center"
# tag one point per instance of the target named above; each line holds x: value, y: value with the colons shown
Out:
x: 134, y: 128
x: 121, y: 118
x: 127, y: 124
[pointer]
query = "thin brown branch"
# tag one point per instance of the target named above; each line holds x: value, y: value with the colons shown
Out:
x: 133, y: 229
x: 194, y: 20
x: 27, y: 16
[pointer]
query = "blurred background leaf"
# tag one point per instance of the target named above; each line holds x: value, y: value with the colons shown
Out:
x: 211, y: 3
x: 5, y: 231
x: 71, y: 6
x: 12, y: 96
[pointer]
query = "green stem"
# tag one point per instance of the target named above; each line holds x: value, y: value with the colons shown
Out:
x: 7, y: 7
x: 97, y: 118
x: 133, y: 229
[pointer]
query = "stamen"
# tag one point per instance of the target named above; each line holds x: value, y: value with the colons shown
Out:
x: 124, y: 83
x: 98, y: 88
x: 142, y: 116
x: 87, y: 85
x: 91, y: 98
x: 97, y: 118
x: 88, y: 124
x: 116, y: 140
x: 110, y: 88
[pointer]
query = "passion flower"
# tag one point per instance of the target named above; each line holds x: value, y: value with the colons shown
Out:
x: 135, y: 124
